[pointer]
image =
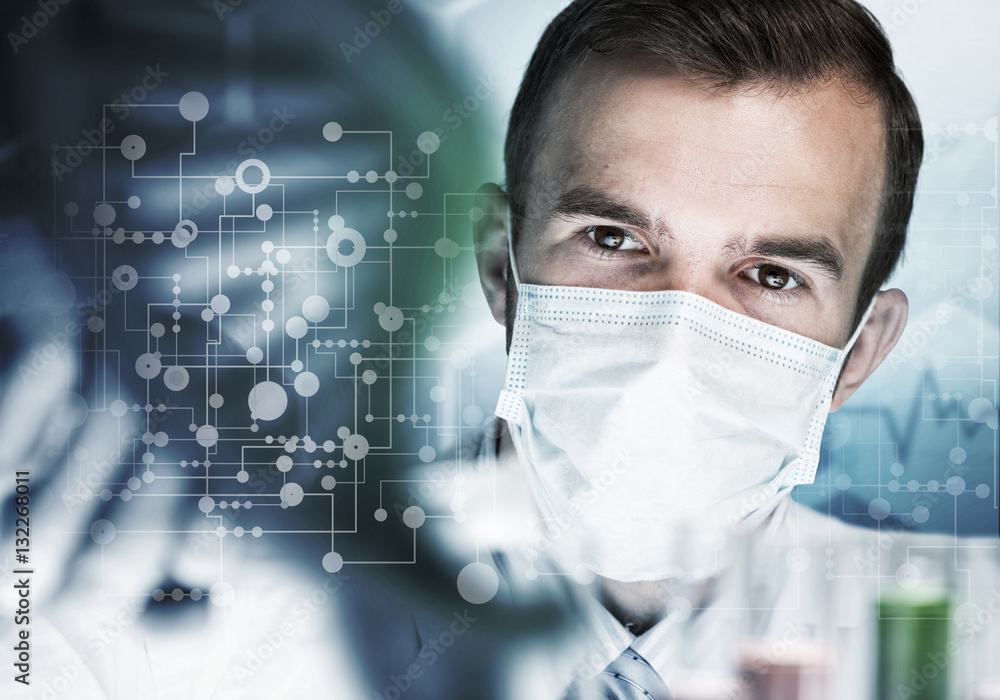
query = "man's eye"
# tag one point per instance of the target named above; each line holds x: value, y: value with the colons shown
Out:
x: 613, y: 238
x: 773, y: 277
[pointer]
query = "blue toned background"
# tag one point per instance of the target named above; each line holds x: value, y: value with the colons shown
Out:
x: 918, y: 443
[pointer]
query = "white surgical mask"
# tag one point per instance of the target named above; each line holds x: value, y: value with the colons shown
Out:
x: 651, y: 423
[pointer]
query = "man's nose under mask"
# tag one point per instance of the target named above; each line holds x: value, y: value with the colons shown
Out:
x: 644, y: 417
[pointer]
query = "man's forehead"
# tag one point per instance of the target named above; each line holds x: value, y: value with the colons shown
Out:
x: 610, y: 103
x: 631, y: 124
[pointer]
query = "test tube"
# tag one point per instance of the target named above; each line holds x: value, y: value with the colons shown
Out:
x: 913, y: 659
x: 990, y: 690
x: 795, y: 672
x: 976, y: 629
x: 705, y: 686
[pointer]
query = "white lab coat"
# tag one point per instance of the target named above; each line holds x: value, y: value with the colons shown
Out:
x: 803, y: 584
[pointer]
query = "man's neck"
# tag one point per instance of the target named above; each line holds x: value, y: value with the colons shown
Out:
x: 638, y: 605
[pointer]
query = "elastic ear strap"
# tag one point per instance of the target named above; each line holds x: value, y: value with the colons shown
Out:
x: 861, y: 324
x: 510, y: 249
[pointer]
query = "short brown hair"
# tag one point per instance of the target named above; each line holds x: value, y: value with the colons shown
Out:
x: 730, y: 43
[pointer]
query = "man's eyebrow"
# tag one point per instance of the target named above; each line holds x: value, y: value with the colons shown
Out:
x: 818, y: 251
x: 586, y: 201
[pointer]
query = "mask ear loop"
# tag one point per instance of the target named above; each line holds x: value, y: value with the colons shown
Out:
x: 510, y: 249
x: 861, y: 325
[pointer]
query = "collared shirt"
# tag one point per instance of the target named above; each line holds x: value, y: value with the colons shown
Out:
x: 801, y: 589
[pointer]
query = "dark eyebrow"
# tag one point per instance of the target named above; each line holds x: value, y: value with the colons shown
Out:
x: 818, y: 251
x: 586, y: 201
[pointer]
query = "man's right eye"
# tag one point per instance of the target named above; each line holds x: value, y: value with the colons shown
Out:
x: 613, y: 238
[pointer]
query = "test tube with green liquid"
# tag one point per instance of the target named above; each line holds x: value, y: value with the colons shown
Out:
x: 914, y: 651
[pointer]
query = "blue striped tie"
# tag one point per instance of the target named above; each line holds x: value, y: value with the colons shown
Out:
x: 630, y: 677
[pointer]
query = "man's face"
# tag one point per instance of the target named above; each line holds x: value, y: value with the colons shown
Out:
x: 762, y: 202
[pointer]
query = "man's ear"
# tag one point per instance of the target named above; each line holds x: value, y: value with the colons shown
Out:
x: 878, y: 337
x: 489, y: 236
